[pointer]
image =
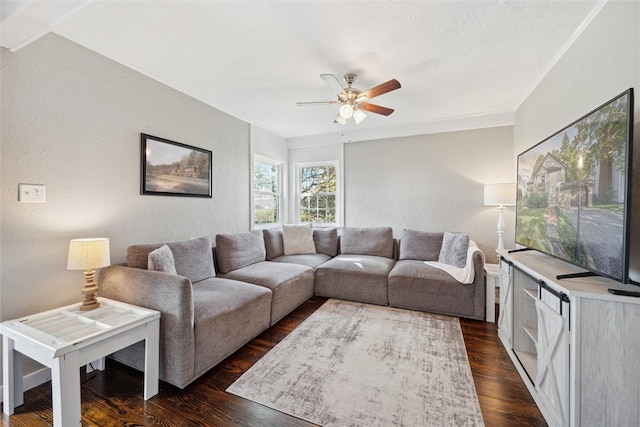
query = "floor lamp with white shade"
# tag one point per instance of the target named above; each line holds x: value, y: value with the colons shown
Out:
x: 500, y: 195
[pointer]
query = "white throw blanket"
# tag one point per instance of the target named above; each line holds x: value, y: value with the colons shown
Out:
x: 463, y: 275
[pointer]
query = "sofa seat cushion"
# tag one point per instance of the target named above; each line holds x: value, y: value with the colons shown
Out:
x: 291, y: 284
x: 360, y: 278
x: 310, y: 260
x: 227, y: 314
x: 193, y: 258
x: 418, y: 286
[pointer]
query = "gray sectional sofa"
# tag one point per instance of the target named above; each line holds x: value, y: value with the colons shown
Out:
x: 216, y: 299
x: 203, y: 318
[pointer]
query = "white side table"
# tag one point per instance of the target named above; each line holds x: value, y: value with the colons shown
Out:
x: 64, y: 339
x: 493, y: 282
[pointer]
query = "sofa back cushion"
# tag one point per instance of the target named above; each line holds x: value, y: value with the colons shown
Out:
x: 193, y: 258
x: 273, y: 243
x: 420, y: 245
x: 238, y: 250
x: 367, y: 241
x: 326, y: 240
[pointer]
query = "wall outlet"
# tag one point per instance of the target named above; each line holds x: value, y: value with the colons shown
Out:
x: 31, y: 193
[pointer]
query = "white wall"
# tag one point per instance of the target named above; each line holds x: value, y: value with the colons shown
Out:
x: 431, y: 182
x: 603, y: 62
x: 268, y: 144
x: 71, y: 119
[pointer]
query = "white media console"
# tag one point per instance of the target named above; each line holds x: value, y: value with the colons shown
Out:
x: 576, y: 346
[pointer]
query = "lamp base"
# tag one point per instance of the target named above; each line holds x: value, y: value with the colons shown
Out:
x: 89, y: 290
x: 89, y: 304
x: 500, y: 229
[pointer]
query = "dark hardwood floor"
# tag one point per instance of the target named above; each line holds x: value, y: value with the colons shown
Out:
x: 114, y: 397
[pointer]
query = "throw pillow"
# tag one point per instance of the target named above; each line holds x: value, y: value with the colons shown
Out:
x: 454, y: 249
x: 298, y: 239
x: 162, y: 260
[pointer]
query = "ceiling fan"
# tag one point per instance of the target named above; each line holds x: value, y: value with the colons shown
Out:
x: 352, y: 100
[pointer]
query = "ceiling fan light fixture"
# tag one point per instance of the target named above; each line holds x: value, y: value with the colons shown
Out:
x: 346, y: 111
x: 352, y: 100
x: 341, y: 120
x: 358, y: 116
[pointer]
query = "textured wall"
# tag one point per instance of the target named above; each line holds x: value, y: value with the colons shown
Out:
x: 431, y: 182
x: 71, y: 119
x: 603, y: 62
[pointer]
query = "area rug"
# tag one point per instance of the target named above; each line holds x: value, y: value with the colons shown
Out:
x: 352, y: 364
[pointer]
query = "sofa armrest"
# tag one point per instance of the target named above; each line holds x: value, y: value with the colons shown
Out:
x: 169, y: 294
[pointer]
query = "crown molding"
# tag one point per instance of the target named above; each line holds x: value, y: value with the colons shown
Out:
x: 30, y: 20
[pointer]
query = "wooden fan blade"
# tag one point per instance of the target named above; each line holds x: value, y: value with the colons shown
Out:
x: 373, y: 108
x: 381, y: 89
x: 332, y: 82
x: 314, y: 103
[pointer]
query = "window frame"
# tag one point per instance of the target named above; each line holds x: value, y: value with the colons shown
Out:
x: 280, y: 194
x: 337, y: 193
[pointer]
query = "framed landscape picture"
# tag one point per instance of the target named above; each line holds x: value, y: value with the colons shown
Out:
x: 170, y: 168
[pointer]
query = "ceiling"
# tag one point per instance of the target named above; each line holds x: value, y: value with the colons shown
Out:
x: 460, y: 63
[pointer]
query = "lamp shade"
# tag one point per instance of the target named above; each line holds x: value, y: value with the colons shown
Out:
x: 358, y: 116
x: 346, y: 111
x: 500, y: 194
x: 87, y: 254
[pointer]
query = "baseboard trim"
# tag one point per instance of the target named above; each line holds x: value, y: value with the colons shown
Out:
x: 32, y: 380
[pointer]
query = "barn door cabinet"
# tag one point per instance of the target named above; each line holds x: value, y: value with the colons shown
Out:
x: 575, y: 345
x: 505, y: 316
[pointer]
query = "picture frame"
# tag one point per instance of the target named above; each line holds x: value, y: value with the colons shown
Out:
x: 170, y: 168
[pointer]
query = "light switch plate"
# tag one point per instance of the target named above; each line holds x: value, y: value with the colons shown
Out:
x: 32, y: 193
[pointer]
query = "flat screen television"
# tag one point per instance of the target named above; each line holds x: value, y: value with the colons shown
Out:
x: 573, y: 191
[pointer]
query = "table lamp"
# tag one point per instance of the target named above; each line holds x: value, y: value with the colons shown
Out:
x: 87, y: 254
x: 500, y: 195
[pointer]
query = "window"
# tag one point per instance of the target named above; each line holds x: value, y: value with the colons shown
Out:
x: 266, y: 192
x: 317, y: 189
